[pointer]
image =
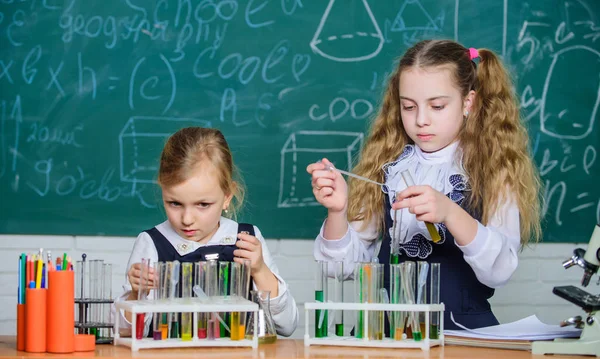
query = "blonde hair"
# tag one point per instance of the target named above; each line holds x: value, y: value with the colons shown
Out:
x: 493, y: 140
x: 187, y: 149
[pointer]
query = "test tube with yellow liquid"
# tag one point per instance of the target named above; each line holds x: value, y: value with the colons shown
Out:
x: 433, y: 232
x: 240, y: 280
x: 186, y: 292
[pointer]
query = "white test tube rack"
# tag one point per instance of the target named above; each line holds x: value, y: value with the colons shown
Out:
x: 425, y: 343
x: 186, y: 305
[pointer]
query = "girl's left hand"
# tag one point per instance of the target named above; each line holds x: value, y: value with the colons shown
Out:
x: 249, y: 248
x: 426, y: 203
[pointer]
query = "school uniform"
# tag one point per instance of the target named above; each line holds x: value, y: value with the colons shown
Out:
x: 468, y: 274
x: 162, y: 243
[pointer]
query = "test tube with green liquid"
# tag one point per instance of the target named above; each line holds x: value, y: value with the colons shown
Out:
x: 421, y: 291
x: 359, y: 298
x: 339, y: 297
x: 186, y: 292
x: 397, y: 317
x: 321, y: 296
x: 223, y: 291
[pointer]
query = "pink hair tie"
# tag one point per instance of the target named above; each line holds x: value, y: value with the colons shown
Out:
x: 473, y: 53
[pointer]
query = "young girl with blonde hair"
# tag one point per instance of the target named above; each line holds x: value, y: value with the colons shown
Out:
x: 199, y: 193
x: 454, y: 124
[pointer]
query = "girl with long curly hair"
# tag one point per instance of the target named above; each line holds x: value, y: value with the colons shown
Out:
x: 454, y: 125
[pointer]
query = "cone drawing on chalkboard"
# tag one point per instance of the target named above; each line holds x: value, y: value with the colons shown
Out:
x: 341, y: 39
x: 413, y: 16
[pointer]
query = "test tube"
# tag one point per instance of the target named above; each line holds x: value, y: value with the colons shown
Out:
x: 174, y: 293
x: 421, y: 290
x: 397, y: 317
x: 164, y: 295
x: 223, y: 289
x: 374, y: 284
x: 435, y: 236
x: 239, y: 280
x: 95, y: 293
x: 412, y: 328
x: 159, y: 268
x: 139, y: 319
x: 200, y: 278
x: 107, y: 295
x: 212, y: 291
x: 435, y: 299
x: 321, y: 296
x: 81, y: 292
x: 359, y: 298
x: 186, y: 292
x: 339, y: 297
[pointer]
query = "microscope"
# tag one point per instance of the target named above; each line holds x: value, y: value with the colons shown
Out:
x: 589, y: 340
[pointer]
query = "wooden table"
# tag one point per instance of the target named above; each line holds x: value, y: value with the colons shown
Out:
x: 283, y: 348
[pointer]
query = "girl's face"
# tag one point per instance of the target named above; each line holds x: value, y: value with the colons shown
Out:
x: 194, y: 206
x: 432, y: 107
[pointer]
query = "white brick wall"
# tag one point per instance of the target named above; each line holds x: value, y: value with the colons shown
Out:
x: 528, y: 292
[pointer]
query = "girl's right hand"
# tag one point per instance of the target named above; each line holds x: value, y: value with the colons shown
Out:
x: 329, y: 187
x: 135, y: 278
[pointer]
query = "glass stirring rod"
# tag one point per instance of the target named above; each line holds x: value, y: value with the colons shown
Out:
x: 350, y: 174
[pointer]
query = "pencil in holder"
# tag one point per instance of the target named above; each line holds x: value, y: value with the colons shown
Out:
x: 35, y: 320
x: 20, y: 326
x: 61, y: 312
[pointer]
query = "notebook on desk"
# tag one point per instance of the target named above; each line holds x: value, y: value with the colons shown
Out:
x: 515, y: 335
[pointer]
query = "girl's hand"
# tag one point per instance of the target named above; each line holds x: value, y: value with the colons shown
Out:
x: 329, y: 187
x: 135, y: 278
x: 249, y: 248
x: 426, y: 203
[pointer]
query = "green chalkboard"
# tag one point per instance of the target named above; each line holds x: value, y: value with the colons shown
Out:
x: 90, y: 91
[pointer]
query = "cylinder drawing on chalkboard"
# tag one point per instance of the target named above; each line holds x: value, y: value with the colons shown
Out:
x: 347, y: 40
x: 305, y: 147
x: 571, y: 117
x: 140, y: 145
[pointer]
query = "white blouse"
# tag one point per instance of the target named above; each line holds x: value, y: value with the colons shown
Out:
x: 493, y: 252
x: 283, y: 307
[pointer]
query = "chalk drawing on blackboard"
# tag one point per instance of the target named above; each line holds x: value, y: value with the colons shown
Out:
x: 412, y: 16
x: 571, y: 117
x: 141, y: 141
x: 339, y: 39
x: 305, y: 147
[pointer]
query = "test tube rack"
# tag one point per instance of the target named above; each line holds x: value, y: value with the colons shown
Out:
x: 218, y: 304
x: 83, y: 324
x: 424, y: 344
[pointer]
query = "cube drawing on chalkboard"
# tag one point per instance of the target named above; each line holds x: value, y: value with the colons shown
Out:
x: 305, y: 147
x: 141, y: 141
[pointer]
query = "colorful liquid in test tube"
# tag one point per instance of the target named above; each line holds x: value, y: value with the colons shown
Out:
x: 140, y: 317
x: 200, y: 281
x: 339, y: 297
x: 435, y: 236
x: 159, y: 267
x: 186, y: 292
x: 321, y: 296
x: 435, y: 299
